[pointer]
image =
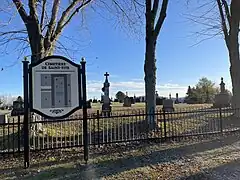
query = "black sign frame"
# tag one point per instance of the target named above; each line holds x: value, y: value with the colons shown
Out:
x: 81, y: 85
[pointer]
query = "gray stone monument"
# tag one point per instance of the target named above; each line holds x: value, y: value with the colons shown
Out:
x: 222, y: 99
x: 106, y: 107
x: 177, y: 100
x: 4, y: 118
x: 168, y: 104
x: 127, y: 102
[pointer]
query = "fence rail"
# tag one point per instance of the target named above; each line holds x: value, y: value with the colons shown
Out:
x: 117, y: 128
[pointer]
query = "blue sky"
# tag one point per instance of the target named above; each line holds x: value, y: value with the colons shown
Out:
x: 111, y: 49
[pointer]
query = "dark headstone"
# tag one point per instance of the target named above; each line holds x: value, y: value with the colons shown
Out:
x: 137, y: 100
x: 132, y: 100
x: 177, y: 100
x: 94, y: 101
x: 3, y: 118
x: 159, y: 101
x: 127, y: 102
x: 18, y: 107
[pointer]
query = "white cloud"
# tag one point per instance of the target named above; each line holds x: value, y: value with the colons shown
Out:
x: 134, y: 87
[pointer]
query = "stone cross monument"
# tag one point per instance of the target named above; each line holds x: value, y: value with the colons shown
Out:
x: 106, y: 108
x: 222, y: 86
x: 222, y: 99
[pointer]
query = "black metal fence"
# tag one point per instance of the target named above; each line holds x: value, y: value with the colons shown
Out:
x: 118, y: 127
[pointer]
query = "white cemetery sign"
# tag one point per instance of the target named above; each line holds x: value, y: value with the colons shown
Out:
x: 55, y: 90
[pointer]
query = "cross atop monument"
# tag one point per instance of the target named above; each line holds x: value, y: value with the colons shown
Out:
x: 106, y: 74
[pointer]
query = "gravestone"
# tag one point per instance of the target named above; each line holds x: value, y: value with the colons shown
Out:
x: 159, y: 100
x: 89, y: 106
x: 222, y: 99
x: 18, y: 107
x: 168, y: 104
x: 132, y: 100
x: 127, y: 102
x: 137, y: 100
x: 3, y: 118
x: 106, y: 107
x: 177, y: 100
x: 94, y: 101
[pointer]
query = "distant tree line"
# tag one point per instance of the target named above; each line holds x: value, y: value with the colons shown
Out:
x: 203, y: 92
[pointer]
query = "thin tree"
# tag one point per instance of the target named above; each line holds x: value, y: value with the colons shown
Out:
x: 221, y: 17
x: 230, y: 18
x: 155, y: 16
x: 130, y: 13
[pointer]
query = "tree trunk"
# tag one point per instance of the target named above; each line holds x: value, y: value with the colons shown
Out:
x: 150, y: 81
x: 233, y: 48
x: 35, y: 40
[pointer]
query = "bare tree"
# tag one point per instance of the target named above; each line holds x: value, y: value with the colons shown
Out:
x: 43, y: 23
x: 154, y: 22
x: 230, y: 18
x: 221, y: 17
x: 130, y: 13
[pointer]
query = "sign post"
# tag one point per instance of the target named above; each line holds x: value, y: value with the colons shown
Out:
x: 85, y: 125
x: 56, y: 88
x: 26, y: 115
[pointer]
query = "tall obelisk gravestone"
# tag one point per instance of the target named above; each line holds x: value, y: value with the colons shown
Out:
x: 106, y: 108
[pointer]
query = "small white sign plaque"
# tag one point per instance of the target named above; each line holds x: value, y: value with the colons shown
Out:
x: 55, y: 87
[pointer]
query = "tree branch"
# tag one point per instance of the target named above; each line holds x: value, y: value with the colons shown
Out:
x: 21, y: 10
x: 33, y: 9
x: 155, y: 8
x: 84, y: 3
x: 227, y: 11
x: 64, y: 15
x: 13, y: 32
x: 43, y: 14
x: 64, y: 20
x: 223, y: 22
x: 161, y: 18
x: 148, y: 5
x: 52, y: 22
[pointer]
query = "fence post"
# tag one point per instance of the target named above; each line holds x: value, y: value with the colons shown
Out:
x: 164, y: 124
x: 19, y: 135
x: 221, y: 125
x: 26, y: 115
x: 85, y: 118
x: 98, y: 126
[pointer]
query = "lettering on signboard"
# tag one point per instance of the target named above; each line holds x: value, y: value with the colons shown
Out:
x: 55, y: 65
x: 56, y: 111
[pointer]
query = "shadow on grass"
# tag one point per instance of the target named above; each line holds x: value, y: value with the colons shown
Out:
x: 226, y: 171
x: 113, y: 166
